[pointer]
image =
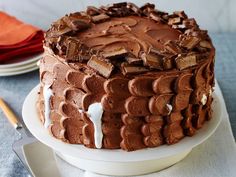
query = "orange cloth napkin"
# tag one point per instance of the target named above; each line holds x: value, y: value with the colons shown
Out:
x: 17, y: 38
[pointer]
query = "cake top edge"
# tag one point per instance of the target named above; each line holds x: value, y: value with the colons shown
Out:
x: 123, y: 37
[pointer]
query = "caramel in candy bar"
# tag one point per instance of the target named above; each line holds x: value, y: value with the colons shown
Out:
x: 72, y: 49
x: 101, y: 66
x: 155, y: 16
x: 132, y: 69
x: 183, y: 62
x: 134, y: 8
x: 152, y: 60
x: 189, y: 42
x: 75, y: 23
x: 133, y: 60
x: 100, y: 18
x: 172, y: 47
x: 205, y: 44
x: 175, y: 20
x: 91, y: 10
x: 115, y: 54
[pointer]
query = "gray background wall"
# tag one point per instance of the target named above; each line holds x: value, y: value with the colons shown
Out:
x: 214, y: 15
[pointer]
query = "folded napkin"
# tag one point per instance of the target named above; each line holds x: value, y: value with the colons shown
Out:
x: 17, y: 38
x: 215, y: 157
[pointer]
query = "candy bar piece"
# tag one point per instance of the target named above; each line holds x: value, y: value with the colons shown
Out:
x: 102, y: 66
x: 117, y: 9
x: 72, y: 49
x: 202, y: 56
x: 133, y: 60
x: 58, y: 28
x: 77, y: 22
x: 189, y: 42
x: 152, y: 60
x: 147, y: 8
x: 75, y: 50
x: 173, y: 21
x: 168, y: 63
x: 172, y: 47
x: 153, y: 15
x: 132, y: 69
x: 115, y: 54
x: 100, y: 18
x: 159, y: 53
x: 190, y: 23
x: 120, y: 4
x: 205, y: 44
x: 92, y: 11
x: 60, y: 31
x: 134, y: 8
x: 183, y: 62
x: 181, y: 14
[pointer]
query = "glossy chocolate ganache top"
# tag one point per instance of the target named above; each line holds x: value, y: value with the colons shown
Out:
x: 123, y: 37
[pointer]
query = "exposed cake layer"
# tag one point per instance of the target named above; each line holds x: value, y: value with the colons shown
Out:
x: 126, y: 77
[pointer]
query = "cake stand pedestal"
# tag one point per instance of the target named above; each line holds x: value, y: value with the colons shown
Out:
x: 118, y: 162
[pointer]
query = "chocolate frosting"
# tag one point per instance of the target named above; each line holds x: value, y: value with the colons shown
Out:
x: 123, y: 37
x: 151, y: 90
x: 134, y: 33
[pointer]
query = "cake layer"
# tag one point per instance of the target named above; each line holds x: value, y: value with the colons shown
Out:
x: 125, y: 77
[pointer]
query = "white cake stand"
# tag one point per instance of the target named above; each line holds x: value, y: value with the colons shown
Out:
x: 118, y: 162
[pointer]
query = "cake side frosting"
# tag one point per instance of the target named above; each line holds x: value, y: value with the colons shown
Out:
x: 150, y: 73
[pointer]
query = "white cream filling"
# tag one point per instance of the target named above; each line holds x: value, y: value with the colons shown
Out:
x: 95, y: 112
x: 47, y: 93
x: 169, y: 108
x: 204, y: 99
x: 210, y: 92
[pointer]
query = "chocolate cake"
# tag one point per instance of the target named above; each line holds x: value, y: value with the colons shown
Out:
x: 120, y: 76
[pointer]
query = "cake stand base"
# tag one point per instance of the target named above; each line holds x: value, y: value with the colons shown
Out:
x: 124, y: 168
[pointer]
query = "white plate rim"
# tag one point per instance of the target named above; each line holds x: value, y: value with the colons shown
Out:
x: 32, y: 121
x: 25, y: 62
x: 19, y: 72
x: 15, y: 69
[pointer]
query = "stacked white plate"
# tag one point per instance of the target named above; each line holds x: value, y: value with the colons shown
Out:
x: 20, y: 65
